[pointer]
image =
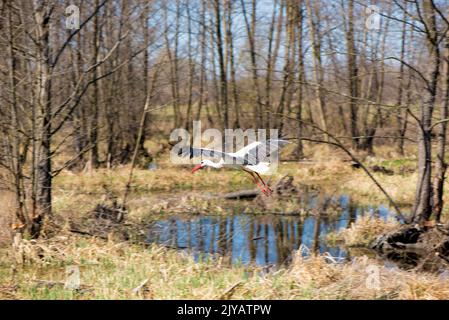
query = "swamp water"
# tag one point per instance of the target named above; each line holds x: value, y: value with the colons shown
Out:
x: 267, y: 240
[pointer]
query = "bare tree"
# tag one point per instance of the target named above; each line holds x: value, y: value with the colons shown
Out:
x: 352, y: 75
x: 440, y: 162
x: 318, y: 70
x: 251, y: 32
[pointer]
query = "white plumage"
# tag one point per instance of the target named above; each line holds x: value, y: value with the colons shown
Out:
x: 251, y: 159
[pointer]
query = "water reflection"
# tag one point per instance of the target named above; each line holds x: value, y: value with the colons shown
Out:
x: 262, y: 239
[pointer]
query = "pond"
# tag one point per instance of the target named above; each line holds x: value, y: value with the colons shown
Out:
x: 264, y: 239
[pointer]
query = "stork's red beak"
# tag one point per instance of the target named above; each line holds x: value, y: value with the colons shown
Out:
x: 197, y: 167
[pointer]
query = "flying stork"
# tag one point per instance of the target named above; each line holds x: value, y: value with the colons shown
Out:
x: 253, y: 159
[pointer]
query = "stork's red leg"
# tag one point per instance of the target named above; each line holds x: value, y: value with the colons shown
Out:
x: 257, y: 182
x: 266, y: 186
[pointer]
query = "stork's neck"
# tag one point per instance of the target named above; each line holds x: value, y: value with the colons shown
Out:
x: 216, y: 165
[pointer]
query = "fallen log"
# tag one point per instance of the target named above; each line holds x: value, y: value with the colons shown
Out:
x: 283, y: 186
x: 243, y: 194
x: 397, y: 239
x: 412, y: 247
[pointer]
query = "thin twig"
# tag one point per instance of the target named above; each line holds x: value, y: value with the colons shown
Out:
x: 340, y: 145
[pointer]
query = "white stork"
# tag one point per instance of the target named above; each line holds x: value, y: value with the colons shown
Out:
x: 253, y: 159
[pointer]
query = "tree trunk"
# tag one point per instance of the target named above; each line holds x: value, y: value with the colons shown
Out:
x: 173, y: 63
x: 231, y: 59
x: 251, y: 30
x: 272, y: 57
x: 371, y: 129
x: 13, y: 134
x: 422, y: 209
x: 93, y: 127
x: 191, y: 71
x: 223, y: 73
x: 440, y: 163
x: 400, y: 115
x: 353, y: 76
x: 43, y: 206
x: 299, y: 153
x: 317, y: 65
x: 202, y: 24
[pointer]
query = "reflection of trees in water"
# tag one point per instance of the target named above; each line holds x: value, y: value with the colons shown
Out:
x: 285, y: 237
x: 263, y: 239
x: 316, y: 234
x: 322, y: 207
x: 250, y: 236
x: 352, y: 209
x: 222, y: 237
x: 299, y: 231
x: 267, y: 244
x: 212, y: 237
x: 216, y: 236
x: 200, y: 238
x: 189, y: 233
x: 173, y: 233
x: 230, y: 235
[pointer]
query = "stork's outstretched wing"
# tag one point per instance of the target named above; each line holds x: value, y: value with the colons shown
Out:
x: 263, y: 151
x: 252, y: 154
x: 191, y: 152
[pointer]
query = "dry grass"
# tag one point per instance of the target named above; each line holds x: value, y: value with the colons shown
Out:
x: 362, y: 232
x: 169, y: 178
x: 333, y: 176
x: 330, y: 170
x: 336, y: 175
x: 5, y: 218
x: 110, y: 270
x: 353, y: 281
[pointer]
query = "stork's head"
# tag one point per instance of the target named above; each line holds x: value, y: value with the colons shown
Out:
x: 207, y: 163
x: 199, y: 166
